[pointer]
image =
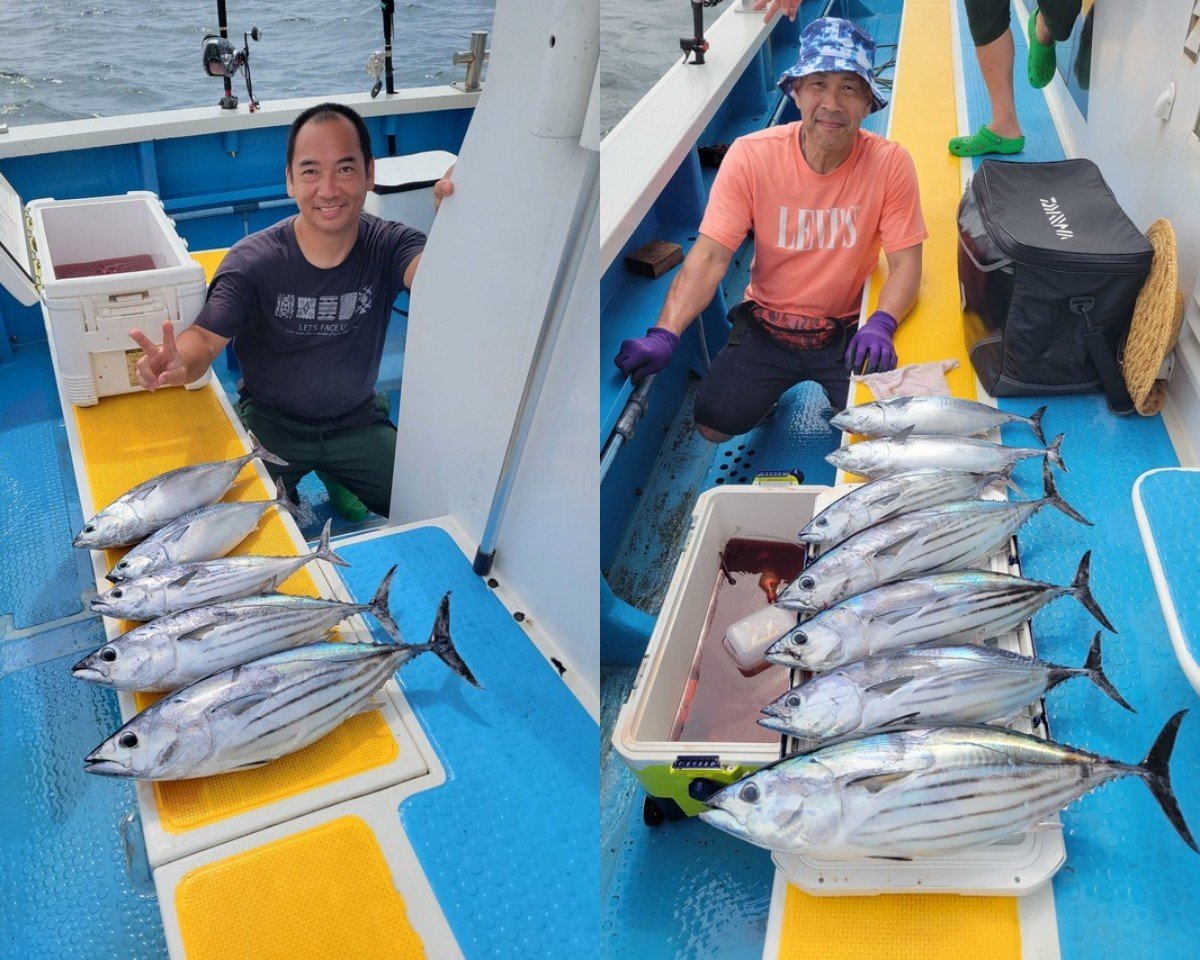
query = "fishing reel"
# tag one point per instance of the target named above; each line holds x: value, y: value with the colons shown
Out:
x: 696, y: 46
x: 221, y: 59
x: 375, y: 65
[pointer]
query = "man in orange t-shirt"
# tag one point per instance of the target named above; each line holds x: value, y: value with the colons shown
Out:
x: 822, y: 197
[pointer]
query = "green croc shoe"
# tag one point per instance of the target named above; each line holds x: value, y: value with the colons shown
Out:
x: 985, y: 142
x: 1041, y: 64
x: 345, y: 504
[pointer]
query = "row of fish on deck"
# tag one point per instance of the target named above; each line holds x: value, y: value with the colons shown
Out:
x: 246, y: 676
x: 896, y: 756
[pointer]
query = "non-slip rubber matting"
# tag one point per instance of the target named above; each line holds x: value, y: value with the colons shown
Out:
x: 509, y: 842
x: 295, y: 899
x: 1130, y: 887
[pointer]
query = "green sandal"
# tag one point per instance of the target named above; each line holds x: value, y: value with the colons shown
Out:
x: 345, y: 504
x: 985, y: 142
x: 1042, y: 63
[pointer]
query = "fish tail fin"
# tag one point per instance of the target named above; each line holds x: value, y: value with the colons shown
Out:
x: 441, y: 644
x: 1052, y: 498
x: 1005, y: 477
x: 1081, y: 590
x: 1153, y: 770
x: 1035, y: 424
x: 1054, y: 453
x: 263, y: 454
x: 282, y: 500
x: 324, y: 551
x: 380, y: 607
x: 1094, y: 669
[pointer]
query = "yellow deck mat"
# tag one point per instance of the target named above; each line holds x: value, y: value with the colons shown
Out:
x: 924, y: 118
x: 900, y: 927
x: 130, y: 438
x: 294, y: 899
x: 209, y: 260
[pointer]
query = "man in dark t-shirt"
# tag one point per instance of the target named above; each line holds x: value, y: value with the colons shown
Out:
x: 306, y: 303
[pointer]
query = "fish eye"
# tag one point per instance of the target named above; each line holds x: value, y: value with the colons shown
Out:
x: 89, y: 529
x: 108, y: 654
x: 807, y: 583
x: 793, y: 701
x: 117, y: 593
x: 750, y: 793
x: 822, y: 522
x: 121, y: 564
x: 800, y: 639
x: 128, y: 740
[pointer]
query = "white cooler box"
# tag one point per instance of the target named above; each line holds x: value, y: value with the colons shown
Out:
x: 665, y: 767
x: 404, y: 187
x: 100, y: 267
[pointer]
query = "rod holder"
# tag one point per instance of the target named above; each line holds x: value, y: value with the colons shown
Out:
x: 473, y: 59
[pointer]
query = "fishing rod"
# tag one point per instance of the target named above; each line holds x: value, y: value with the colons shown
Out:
x: 389, y: 14
x: 380, y: 65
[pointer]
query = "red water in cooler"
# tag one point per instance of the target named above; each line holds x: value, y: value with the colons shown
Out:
x: 720, y: 703
x: 102, y: 268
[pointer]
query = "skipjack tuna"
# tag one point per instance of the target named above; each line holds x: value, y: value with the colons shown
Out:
x: 949, y: 537
x: 204, y: 534
x: 871, y: 503
x: 880, y: 458
x: 252, y: 714
x: 174, y: 651
x: 925, y: 416
x: 961, y: 607
x: 149, y: 506
x: 188, y: 585
x: 918, y: 687
x: 925, y: 792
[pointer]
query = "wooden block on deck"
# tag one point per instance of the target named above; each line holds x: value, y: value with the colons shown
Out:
x: 654, y: 259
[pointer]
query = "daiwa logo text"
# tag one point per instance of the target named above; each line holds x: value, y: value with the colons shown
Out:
x: 1057, y: 218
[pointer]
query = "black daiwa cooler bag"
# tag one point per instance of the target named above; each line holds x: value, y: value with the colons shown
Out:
x: 1049, y: 267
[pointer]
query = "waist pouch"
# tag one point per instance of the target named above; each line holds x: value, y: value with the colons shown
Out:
x: 800, y: 332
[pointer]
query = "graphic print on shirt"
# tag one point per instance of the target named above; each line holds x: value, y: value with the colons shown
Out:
x: 327, y: 316
x: 801, y: 229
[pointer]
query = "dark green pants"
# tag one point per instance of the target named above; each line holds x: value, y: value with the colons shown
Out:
x: 360, y: 458
x: 988, y: 19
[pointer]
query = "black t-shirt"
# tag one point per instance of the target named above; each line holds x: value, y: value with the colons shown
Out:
x: 310, y: 340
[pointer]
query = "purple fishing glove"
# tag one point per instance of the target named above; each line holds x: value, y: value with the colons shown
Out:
x: 646, y: 355
x: 873, y: 346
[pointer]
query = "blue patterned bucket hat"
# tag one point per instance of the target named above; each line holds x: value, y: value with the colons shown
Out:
x: 830, y: 45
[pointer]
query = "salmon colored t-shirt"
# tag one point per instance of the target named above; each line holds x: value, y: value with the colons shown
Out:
x: 816, y: 236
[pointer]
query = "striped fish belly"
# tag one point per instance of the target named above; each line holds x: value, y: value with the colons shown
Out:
x: 298, y: 701
x: 972, y: 793
x: 229, y: 579
x: 955, y: 607
x: 248, y: 638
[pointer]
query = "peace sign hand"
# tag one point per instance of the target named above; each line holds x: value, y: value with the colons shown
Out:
x: 161, y: 366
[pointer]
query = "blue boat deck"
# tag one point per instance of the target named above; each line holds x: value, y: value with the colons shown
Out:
x: 653, y: 485
x: 1130, y: 885
x: 518, y: 812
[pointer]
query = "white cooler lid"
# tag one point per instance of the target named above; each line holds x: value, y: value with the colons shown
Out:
x: 16, y: 269
x: 415, y: 171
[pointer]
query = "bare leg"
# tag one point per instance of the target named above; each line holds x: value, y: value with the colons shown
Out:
x: 1043, y: 32
x: 996, y: 65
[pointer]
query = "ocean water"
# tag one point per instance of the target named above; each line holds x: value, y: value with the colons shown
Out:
x: 639, y: 40
x: 71, y: 59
